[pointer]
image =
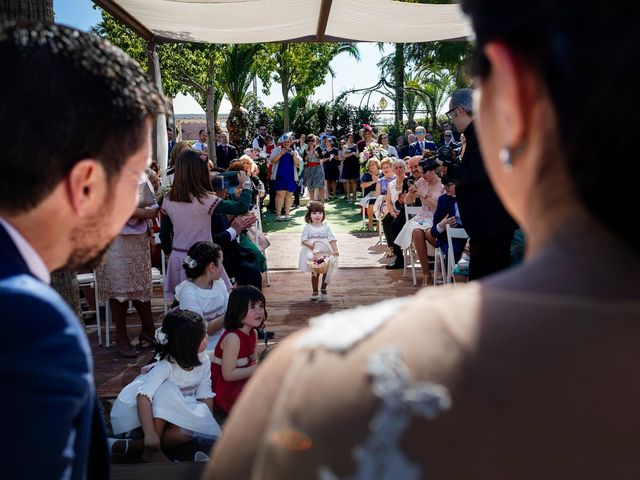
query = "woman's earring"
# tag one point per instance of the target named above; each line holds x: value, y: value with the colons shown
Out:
x: 505, y: 158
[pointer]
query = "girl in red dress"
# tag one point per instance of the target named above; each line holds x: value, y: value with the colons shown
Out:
x: 234, y: 358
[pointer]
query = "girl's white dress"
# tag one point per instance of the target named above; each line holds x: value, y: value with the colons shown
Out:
x: 210, y: 303
x: 173, y: 392
x: 321, y: 236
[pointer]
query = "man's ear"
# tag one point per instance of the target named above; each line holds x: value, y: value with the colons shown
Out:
x: 86, y: 186
x: 514, y: 82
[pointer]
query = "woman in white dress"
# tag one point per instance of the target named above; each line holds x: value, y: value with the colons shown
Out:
x: 428, y: 189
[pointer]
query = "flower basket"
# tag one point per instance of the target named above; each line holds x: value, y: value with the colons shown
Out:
x: 319, y: 264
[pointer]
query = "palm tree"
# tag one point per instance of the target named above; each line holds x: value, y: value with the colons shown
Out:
x: 436, y: 88
x: 412, y: 97
x: 235, y: 76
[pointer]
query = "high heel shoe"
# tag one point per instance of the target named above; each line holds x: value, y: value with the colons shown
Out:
x: 145, y: 339
x: 125, y: 349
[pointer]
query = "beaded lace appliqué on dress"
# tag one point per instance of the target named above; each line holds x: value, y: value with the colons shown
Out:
x: 401, y: 399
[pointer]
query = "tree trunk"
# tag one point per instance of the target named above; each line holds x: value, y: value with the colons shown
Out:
x: 398, y: 74
x: 285, y: 100
x: 31, y: 10
x: 65, y: 283
x: 211, y: 113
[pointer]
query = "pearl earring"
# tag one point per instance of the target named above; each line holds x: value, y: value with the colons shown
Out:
x: 505, y: 158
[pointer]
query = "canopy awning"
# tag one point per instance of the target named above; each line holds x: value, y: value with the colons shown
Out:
x: 258, y: 21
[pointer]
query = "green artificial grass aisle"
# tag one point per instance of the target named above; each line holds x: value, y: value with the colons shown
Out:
x: 343, y: 217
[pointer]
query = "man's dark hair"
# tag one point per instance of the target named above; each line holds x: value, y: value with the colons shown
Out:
x: 86, y: 99
x: 201, y: 132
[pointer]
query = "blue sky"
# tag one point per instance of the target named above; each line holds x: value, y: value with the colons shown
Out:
x: 350, y: 74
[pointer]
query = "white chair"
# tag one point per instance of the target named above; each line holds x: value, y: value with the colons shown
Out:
x: 439, y: 259
x: 409, y: 213
x: 451, y: 262
x: 89, y: 280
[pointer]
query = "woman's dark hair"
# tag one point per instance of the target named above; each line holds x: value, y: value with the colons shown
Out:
x: 560, y: 41
x: 202, y: 253
x: 92, y: 100
x: 191, y: 179
x: 184, y: 330
x: 240, y: 300
x: 314, y: 207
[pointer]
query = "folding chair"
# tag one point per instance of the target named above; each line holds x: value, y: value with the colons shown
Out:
x: 89, y: 280
x: 451, y: 262
x: 158, y: 276
x: 409, y: 213
x: 377, y: 212
x: 439, y: 259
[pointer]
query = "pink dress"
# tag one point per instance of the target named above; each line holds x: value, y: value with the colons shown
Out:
x: 191, y: 224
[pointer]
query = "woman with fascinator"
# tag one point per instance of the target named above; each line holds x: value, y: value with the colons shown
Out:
x: 285, y: 161
x: 368, y: 137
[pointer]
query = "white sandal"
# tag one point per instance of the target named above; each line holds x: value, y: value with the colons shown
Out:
x: 112, y: 441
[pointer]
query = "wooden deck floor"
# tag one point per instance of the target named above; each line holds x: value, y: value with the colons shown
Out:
x: 361, y: 280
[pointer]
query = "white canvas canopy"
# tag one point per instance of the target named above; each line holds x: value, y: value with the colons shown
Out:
x: 259, y: 21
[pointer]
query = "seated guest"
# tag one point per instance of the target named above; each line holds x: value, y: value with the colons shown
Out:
x: 428, y: 189
x: 204, y: 292
x: 446, y: 213
x: 448, y: 140
x: 393, y: 222
x: 422, y: 146
x: 234, y: 359
x: 171, y: 403
x: 225, y: 152
x: 240, y: 261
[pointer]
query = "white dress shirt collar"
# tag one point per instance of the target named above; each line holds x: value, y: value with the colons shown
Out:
x: 29, y: 255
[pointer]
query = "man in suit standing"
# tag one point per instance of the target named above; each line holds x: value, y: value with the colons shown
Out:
x: 489, y: 225
x: 225, y: 152
x: 201, y: 144
x: 422, y: 145
x: 60, y: 209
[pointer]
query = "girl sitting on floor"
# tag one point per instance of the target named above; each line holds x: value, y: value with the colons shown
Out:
x: 234, y: 359
x: 172, y: 400
x: 204, y: 291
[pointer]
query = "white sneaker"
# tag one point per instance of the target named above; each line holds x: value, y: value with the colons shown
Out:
x: 324, y: 297
x: 314, y: 296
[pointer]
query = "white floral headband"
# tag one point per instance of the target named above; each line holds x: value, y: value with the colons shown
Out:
x: 161, y: 337
x: 190, y: 262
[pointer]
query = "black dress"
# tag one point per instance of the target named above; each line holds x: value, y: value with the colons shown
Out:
x: 351, y: 165
x: 331, y: 167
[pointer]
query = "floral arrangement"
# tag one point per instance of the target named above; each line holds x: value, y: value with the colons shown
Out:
x: 162, y: 191
x: 373, y: 150
x: 320, y: 263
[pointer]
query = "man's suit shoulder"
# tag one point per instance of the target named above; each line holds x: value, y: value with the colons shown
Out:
x: 39, y: 319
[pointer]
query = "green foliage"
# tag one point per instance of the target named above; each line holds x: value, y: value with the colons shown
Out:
x: 186, y: 67
x: 364, y: 114
x: 236, y: 71
x: 300, y: 68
